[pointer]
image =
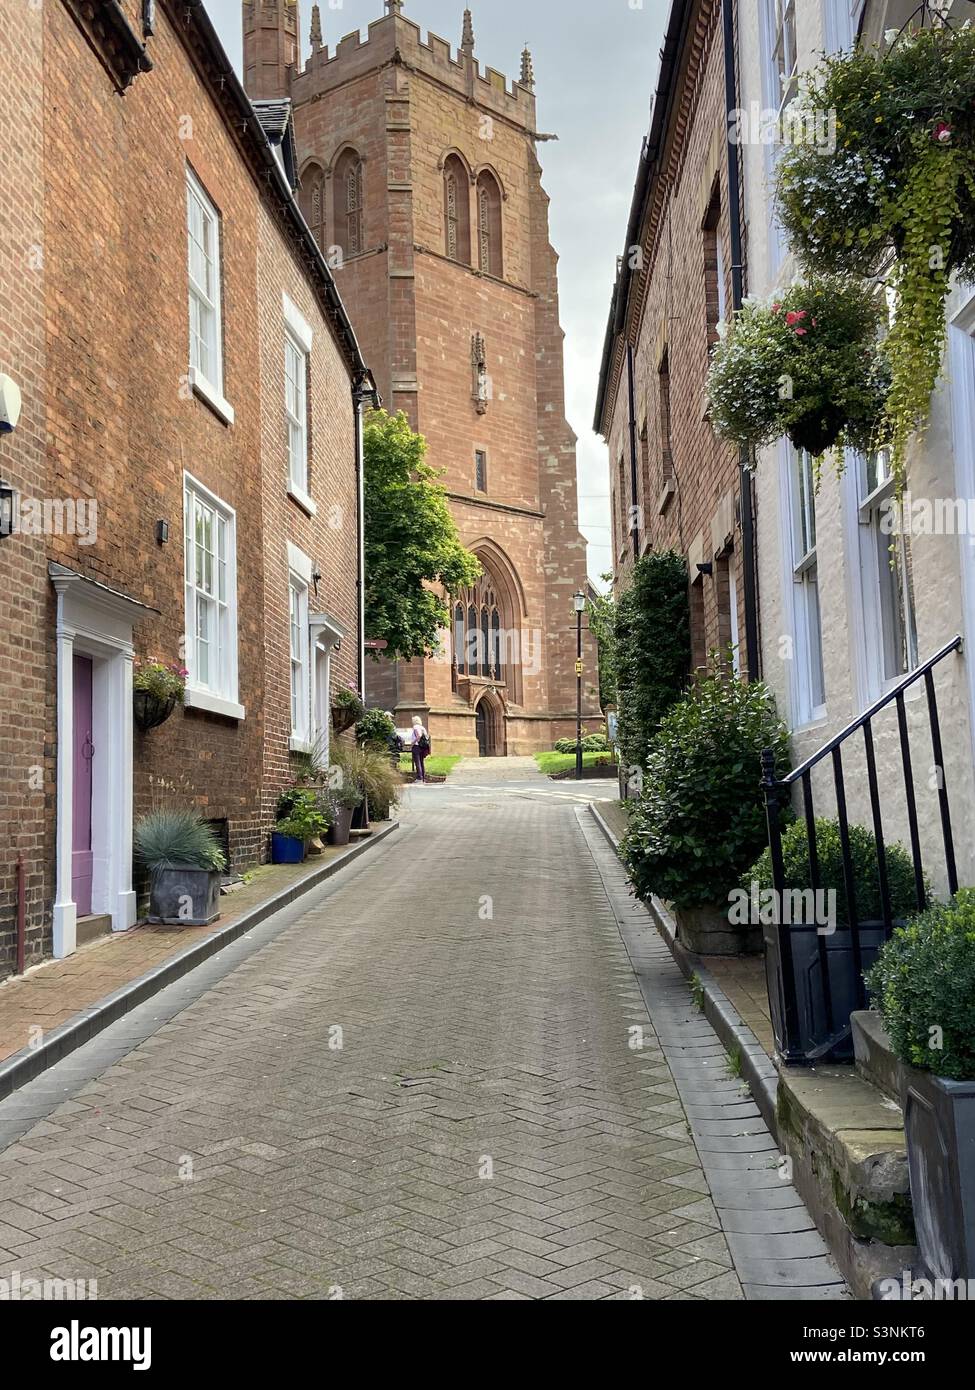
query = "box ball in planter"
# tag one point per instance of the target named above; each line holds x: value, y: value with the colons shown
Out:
x: 185, y: 864
x: 924, y: 989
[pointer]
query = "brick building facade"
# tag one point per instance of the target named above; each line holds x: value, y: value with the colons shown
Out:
x: 673, y: 484
x: 420, y: 180
x: 196, y: 513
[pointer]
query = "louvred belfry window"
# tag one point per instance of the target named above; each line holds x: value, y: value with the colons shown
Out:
x: 457, y: 215
x: 349, y: 204
x: 489, y: 225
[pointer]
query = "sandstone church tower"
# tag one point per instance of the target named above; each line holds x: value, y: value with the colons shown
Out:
x: 419, y: 177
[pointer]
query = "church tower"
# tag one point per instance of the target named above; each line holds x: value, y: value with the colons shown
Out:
x: 270, y: 47
x: 420, y: 179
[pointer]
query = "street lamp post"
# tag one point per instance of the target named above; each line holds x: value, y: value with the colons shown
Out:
x: 579, y: 600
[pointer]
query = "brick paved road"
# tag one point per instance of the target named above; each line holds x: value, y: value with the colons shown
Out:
x: 485, y: 1130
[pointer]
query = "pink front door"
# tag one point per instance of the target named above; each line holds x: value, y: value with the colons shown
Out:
x: 84, y: 751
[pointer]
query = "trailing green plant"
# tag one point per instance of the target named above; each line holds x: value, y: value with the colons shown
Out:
x: 171, y: 838
x: 164, y: 682
x: 652, y: 649
x: 701, y: 817
x: 808, y: 365
x: 923, y: 985
x: 901, y: 180
x: 307, y: 814
x: 375, y: 729
x: 863, y: 855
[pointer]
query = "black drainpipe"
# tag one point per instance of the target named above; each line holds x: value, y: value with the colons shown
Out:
x: 634, y: 514
x: 752, y: 659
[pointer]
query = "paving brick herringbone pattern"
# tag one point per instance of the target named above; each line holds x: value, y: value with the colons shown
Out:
x: 424, y: 1088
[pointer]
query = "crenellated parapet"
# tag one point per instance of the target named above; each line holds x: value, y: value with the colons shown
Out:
x: 394, y: 39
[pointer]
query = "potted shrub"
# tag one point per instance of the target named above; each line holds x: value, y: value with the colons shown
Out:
x: 899, y: 177
x: 156, y: 691
x: 758, y: 884
x: 185, y: 864
x: 347, y: 708
x: 301, y: 818
x: 808, y: 365
x: 346, y: 796
x: 924, y: 988
x: 701, y: 819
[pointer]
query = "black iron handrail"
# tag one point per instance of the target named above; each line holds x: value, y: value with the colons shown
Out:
x: 793, y: 1027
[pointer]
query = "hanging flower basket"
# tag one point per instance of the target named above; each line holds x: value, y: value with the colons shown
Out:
x: 898, y: 181
x: 807, y: 365
x: 156, y: 691
x: 347, y: 709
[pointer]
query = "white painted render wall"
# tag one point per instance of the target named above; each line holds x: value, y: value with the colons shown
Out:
x: 943, y: 465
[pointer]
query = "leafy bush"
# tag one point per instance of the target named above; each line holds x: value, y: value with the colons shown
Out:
x: 306, y: 817
x: 808, y: 364
x: 591, y: 743
x: 652, y: 649
x: 168, y: 839
x: 924, y: 988
x: 375, y: 729
x: 701, y: 818
x: 863, y: 852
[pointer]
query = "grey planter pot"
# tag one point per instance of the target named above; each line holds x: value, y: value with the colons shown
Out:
x: 707, y: 932
x: 341, y: 828
x: 939, y: 1120
x: 184, y: 897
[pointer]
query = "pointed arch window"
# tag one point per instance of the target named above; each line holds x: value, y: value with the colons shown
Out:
x: 457, y: 210
x: 490, y: 259
x: 348, y: 190
x: 311, y: 200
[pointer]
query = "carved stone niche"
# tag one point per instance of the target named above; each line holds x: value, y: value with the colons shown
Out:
x: 112, y: 38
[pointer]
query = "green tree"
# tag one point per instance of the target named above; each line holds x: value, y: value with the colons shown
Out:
x: 411, y: 540
x: 652, y: 649
x: 602, y: 624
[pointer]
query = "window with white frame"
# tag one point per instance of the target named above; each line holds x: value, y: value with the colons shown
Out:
x: 211, y: 597
x: 887, y: 575
x: 296, y: 410
x: 785, y: 52
x: 203, y: 237
x: 300, y: 661
x: 842, y: 24
x: 298, y: 339
x: 811, y: 681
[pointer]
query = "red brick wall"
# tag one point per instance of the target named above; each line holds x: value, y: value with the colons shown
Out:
x: 26, y: 790
x: 672, y: 309
x: 330, y: 537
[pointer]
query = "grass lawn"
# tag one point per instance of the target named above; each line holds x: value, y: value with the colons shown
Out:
x: 561, y: 762
x: 436, y: 767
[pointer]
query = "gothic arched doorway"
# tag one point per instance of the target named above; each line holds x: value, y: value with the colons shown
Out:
x: 489, y: 723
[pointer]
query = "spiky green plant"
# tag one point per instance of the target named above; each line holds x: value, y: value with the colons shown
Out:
x: 169, y: 839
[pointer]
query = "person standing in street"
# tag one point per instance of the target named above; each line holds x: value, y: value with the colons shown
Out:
x: 421, y: 747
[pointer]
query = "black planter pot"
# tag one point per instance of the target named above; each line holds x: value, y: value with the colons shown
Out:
x: 817, y: 433
x: 149, y: 710
x: 813, y: 1023
x: 184, y: 897
x: 939, y: 1120
x: 341, y: 828
x: 360, y: 816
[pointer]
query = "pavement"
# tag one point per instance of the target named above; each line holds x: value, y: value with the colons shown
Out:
x: 433, y: 1077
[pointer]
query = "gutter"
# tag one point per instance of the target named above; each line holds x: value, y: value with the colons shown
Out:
x: 647, y: 170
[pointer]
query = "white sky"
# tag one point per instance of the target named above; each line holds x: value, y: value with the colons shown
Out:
x: 595, y: 69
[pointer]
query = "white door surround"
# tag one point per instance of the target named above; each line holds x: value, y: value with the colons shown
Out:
x: 96, y: 622
x: 326, y: 637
